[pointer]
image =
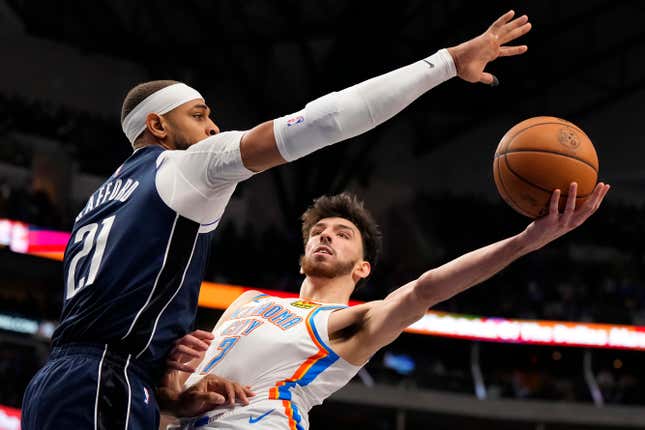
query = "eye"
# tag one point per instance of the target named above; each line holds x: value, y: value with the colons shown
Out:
x: 198, y: 116
x: 315, y: 232
x: 344, y: 235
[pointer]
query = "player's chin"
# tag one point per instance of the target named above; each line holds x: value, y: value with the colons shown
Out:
x: 322, y: 257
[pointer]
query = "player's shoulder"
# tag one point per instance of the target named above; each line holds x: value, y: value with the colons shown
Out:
x: 220, y: 142
x: 249, y: 296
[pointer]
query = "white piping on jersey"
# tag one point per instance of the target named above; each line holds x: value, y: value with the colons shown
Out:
x: 127, y: 412
x: 210, y: 223
x: 154, y: 287
x: 183, y: 276
x: 98, y: 386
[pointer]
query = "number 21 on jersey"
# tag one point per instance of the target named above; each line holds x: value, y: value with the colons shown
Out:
x: 91, y: 242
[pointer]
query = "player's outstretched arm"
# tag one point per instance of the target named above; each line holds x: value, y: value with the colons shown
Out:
x: 355, y: 110
x: 382, y: 321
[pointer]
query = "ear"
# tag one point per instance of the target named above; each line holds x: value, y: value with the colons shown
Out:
x: 362, y: 270
x: 156, y: 125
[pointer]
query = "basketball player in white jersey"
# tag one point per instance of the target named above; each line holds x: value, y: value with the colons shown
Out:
x: 294, y: 353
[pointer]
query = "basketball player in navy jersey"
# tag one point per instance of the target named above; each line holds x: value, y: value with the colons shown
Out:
x: 137, y: 252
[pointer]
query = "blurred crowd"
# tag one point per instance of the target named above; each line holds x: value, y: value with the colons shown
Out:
x: 24, y: 203
x: 84, y: 136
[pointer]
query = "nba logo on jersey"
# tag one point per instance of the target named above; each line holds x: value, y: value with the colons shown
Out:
x: 146, y: 396
x: 295, y: 120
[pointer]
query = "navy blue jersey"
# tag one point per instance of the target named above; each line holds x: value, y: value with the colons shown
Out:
x: 134, y: 265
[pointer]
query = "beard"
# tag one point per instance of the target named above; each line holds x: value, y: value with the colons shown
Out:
x: 322, y: 269
x: 181, y: 142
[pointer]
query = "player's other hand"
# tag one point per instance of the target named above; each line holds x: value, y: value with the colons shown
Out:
x: 189, y: 351
x: 555, y: 224
x: 471, y: 57
x: 212, y: 391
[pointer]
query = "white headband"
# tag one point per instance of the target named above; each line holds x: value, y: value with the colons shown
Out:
x: 160, y: 102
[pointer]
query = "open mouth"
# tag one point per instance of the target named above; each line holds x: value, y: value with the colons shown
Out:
x: 323, y: 250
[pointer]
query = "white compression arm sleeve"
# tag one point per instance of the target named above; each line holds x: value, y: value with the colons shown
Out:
x: 352, y: 111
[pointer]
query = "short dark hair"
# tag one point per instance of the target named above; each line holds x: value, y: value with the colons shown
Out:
x: 349, y: 207
x: 140, y: 92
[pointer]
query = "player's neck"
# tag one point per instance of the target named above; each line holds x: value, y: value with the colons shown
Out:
x: 148, y: 140
x: 326, y: 290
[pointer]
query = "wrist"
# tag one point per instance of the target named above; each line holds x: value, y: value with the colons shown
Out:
x: 523, y: 243
x: 444, y: 63
x: 454, y: 52
x: 167, y: 399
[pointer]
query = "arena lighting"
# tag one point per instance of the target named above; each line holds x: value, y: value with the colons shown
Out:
x: 18, y: 324
x: 539, y: 332
x: 9, y: 418
x: 43, y: 329
x: 29, y: 239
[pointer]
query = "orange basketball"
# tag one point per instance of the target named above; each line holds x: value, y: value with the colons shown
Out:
x: 541, y: 154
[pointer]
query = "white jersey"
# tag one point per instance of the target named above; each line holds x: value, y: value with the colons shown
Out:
x: 279, y: 347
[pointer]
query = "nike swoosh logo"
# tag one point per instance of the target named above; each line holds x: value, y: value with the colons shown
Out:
x: 255, y: 420
x: 429, y: 64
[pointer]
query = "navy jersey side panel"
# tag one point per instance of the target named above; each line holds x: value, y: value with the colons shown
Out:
x: 133, y: 267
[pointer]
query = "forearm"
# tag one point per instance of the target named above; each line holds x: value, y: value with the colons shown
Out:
x: 355, y: 110
x: 169, y: 391
x: 470, y: 269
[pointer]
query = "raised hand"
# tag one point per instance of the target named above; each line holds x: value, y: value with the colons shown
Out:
x: 471, y: 57
x: 555, y: 224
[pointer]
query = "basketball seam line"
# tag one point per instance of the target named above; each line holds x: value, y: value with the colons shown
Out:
x: 511, y: 138
x: 510, y: 200
x: 546, y: 151
x: 563, y: 194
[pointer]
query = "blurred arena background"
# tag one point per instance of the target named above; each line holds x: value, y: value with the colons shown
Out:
x: 427, y: 175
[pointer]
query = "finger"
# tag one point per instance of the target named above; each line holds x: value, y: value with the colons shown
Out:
x: 180, y: 350
x: 203, y: 335
x: 514, y: 34
x: 593, y: 203
x: 191, y: 340
x: 571, y: 198
x: 499, y: 22
x: 489, y: 79
x: 553, y: 204
x: 230, y: 392
x: 248, y: 391
x: 517, y: 22
x: 599, y: 194
x: 602, y: 197
x: 177, y: 365
x: 240, y: 394
x: 508, y: 51
x: 210, y: 398
x: 512, y: 25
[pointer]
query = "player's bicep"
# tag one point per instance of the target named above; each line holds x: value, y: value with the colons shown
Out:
x: 258, y: 148
x: 386, y: 319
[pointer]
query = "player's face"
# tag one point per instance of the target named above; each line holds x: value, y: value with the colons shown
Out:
x: 189, y: 124
x: 334, y: 248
